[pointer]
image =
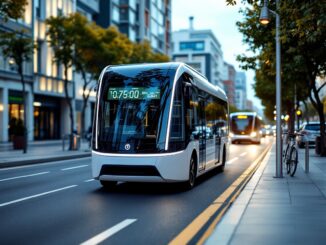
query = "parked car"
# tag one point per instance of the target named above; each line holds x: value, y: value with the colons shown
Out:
x: 309, y: 132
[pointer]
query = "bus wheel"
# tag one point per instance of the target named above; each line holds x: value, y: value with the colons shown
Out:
x: 108, y: 184
x: 192, y: 174
x: 223, y: 160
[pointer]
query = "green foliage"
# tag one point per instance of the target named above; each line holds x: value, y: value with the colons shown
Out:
x: 62, y: 36
x: 143, y: 53
x: 17, y: 46
x: 303, y: 48
x: 12, y: 9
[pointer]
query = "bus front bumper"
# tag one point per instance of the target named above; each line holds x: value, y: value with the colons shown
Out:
x: 168, y: 167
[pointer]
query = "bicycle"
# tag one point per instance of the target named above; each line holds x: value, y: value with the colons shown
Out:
x: 290, y: 155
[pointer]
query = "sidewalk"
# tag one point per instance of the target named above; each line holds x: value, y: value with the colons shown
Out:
x: 278, y: 210
x: 39, y: 152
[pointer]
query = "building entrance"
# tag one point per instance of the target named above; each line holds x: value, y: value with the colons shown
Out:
x: 46, y: 118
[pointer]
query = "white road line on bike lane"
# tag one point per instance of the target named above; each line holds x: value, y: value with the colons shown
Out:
x: 232, y: 160
x: 109, y: 232
x: 37, y: 195
x: 24, y: 176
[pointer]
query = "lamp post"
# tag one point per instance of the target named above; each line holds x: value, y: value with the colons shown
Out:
x: 264, y: 19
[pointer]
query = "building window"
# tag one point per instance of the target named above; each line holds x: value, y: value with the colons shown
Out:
x: 196, y: 46
x: 115, y: 15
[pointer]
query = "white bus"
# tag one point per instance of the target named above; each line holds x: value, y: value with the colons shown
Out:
x: 245, y: 127
x: 157, y: 123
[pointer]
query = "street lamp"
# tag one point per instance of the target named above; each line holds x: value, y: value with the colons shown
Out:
x: 264, y: 19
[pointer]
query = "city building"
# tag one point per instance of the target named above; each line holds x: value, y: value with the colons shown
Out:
x: 228, y: 77
x: 250, y: 105
x: 199, y: 49
x: 47, y: 110
x: 241, y: 91
x: 139, y: 19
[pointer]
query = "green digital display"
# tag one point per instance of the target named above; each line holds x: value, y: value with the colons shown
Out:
x: 134, y: 93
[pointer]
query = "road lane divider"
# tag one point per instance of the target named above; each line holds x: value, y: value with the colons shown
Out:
x: 243, y: 154
x: 89, y: 180
x: 24, y: 176
x: 80, y: 166
x: 109, y: 232
x: 232, y: 160
x: 204, y: 224
x: 37, y: 195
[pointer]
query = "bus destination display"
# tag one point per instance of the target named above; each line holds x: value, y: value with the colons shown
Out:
x: 133, y: 93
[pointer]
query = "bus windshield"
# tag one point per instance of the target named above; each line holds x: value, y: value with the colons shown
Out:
x: 133, y: 111
x: 242, y: 124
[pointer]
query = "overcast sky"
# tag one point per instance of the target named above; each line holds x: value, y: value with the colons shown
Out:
x: 221, y: 19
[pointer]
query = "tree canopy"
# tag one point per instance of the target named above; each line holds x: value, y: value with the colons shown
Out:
x: 12, y: 8
x: 303, y: 35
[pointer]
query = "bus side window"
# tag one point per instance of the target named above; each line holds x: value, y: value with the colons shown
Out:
x: 177, y: 123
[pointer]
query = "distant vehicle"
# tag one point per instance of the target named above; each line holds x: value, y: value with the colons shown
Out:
x: 158, y: 123
x: 269, y: 130
x: 262, y: 132
x: 309, y: 132
x: 274, y: 130
x: 245, y: 127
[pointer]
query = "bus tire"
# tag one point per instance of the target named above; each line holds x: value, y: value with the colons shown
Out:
x: 190, y: 183
x: 223, y: 160
x: 108, y: 184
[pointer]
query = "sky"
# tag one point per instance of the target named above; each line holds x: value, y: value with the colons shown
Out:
x: 221, y: 19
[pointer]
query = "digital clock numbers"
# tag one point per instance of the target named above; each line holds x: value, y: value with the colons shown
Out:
x: 133, y: 93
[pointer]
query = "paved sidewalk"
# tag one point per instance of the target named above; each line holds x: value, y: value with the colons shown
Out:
x: 39, y: 152
x: 278, y: 210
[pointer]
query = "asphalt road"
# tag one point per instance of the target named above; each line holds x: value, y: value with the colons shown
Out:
x: 59, y: 203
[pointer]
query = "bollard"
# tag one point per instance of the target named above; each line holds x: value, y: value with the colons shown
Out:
x: 307, y: 157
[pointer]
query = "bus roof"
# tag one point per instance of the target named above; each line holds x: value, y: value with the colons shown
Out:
x: 248, y: 113
x: 179, y: 68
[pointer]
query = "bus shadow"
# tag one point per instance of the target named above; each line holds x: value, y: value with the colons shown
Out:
x: 157, y: 188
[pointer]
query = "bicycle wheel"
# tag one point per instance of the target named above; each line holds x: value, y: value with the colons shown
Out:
x: 285, y: 156
x: 293, y: 161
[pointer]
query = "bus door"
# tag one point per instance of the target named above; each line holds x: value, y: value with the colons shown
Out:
x: 202, y: 133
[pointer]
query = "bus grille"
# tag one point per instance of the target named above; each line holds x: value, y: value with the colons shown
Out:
x: 129, y: 170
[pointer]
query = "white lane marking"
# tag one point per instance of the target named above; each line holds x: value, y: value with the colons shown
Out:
x: 81, y: 166
x: 37, y: 195
x: 24, y: 176
x: 89, y: 180
x: 232, y: 160
x: 46, y: 164
x: 109, y: 232
x: 243, y: 154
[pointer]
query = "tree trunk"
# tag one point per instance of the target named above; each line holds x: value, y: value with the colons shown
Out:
x: 85, y: 101
x: 71, y: 110
x: 320, y: 110
x: 20, y: 71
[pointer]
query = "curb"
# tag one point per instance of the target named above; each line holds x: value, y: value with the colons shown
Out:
x: 205, y: 223
x: 221, y: 235
x: 42, y: 160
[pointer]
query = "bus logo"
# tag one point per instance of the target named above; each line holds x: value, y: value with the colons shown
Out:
x: 127, y: 147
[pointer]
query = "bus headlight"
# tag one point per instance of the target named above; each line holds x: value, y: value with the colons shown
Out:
x: 231, y: 134
x: 253, y: 134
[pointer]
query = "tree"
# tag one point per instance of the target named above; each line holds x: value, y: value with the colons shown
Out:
x: 12, y: 9
x: 96, y: 48
x: 19, y: 47
x: 61, y: 33
x: 303, y: 45
x: 143, y: 53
